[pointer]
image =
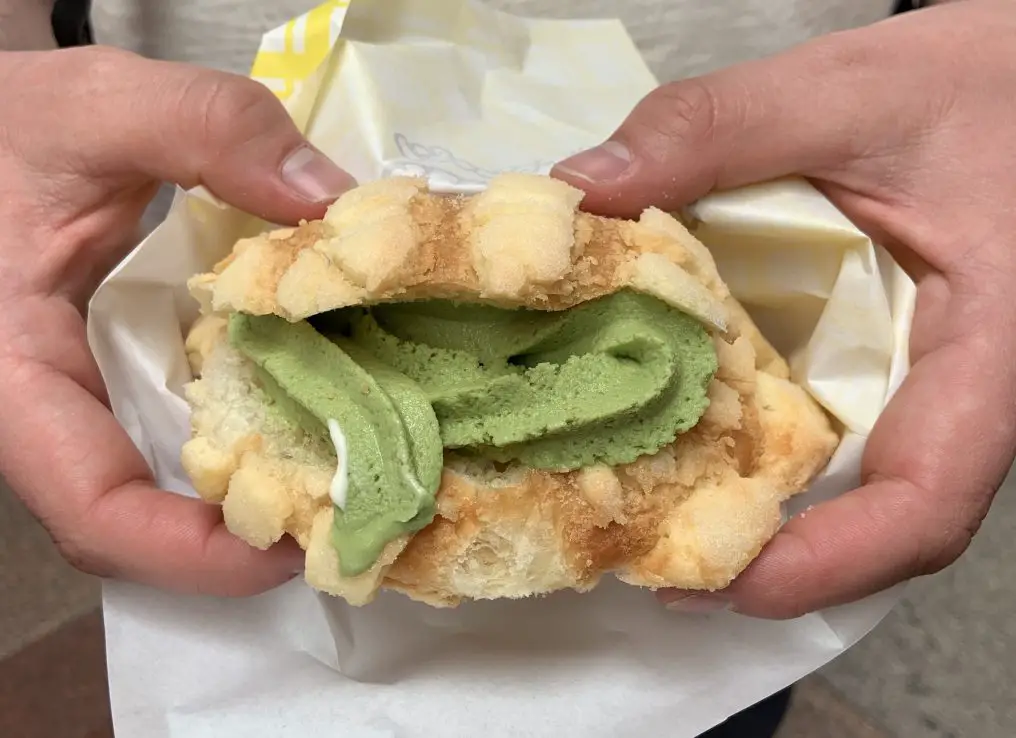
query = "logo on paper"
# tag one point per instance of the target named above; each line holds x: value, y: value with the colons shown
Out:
x: 444, y: 169
x: 291, y: 53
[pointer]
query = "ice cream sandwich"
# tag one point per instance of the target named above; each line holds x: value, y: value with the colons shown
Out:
x: 492, y: 396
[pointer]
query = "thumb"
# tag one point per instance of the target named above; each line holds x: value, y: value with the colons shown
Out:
x: 121, y: 120
x: 795, y: 113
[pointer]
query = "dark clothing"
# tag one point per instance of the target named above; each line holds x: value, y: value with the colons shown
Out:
x: 71, y: 26
x: 761, y: 720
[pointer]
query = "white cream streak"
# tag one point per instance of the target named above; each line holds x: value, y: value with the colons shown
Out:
x: 340, y: 482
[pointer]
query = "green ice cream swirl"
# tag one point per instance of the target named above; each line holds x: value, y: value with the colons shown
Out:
x: 604, y: 382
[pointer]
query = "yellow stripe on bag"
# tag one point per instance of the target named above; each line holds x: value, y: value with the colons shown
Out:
x: 304, y: 50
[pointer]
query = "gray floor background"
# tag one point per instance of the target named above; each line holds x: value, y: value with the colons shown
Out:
x: 943, y: 664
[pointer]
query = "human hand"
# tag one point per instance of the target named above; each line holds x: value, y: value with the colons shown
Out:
x: 907, y: 127
x: 86, y: 135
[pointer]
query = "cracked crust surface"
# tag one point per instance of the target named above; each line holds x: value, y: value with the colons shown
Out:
x: 520, y: 243
x: 692, y: 515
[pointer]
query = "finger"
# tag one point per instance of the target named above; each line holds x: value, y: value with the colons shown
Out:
x: 80, y: 474
x: 931, y: 467
x: 115, y: 116
x: 795, y: 113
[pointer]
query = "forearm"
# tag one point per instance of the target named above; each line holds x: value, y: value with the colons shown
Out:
x: 26, y: 25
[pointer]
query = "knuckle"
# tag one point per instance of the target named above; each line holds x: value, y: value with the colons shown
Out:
x: 98, y: 64
x: 953, y: 536
x: 844, y: 51
x: 80, y: 556
x: 677, y: 113
x: 69, y: 536
x: 947, y: 548
x: 233, y: 108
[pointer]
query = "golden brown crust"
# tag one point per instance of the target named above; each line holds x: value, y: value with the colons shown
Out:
x: 692, y: 516
x: 522, y: 242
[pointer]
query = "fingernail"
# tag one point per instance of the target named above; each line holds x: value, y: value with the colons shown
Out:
x: 313, y: 176
x: 699, y: 603
x: 604, y: 162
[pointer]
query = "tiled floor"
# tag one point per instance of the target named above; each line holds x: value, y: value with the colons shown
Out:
x: 818, y: 711
x: 943, y: 665
x: 38, y: 591
x: 56, y: 686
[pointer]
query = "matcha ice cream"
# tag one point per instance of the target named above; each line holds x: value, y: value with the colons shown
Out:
x: 605, y: 382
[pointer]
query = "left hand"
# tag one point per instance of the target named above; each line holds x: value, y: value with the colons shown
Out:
x: 86, y: 136
x: 907, y: 126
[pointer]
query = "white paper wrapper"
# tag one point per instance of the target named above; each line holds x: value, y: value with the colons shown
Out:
x: 459, y: 92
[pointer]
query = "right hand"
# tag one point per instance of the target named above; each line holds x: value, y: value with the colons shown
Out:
x: 921, y: 156
x: 86, y: 136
